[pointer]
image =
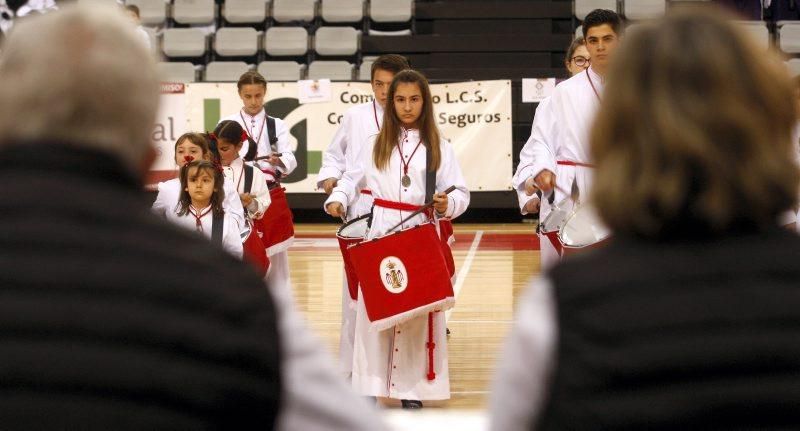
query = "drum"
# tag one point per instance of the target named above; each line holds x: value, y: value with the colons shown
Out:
x: 254, y: 251
x: 552, y: 224
x: 349, y: 234
x: 402, y: 275
x: 583, y: 229
x: 276, y: 228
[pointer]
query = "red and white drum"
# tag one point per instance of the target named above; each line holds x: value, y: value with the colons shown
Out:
x: 583, y: 229
x: 350, y: 234
x: 276, y: 228
x: 402, y: 275
x: 555, y: 220
x: 254, y: 251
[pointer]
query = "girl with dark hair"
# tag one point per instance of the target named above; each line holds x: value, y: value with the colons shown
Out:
x: 200, y: 206
x: 393, y: 363
x: 190, y: 147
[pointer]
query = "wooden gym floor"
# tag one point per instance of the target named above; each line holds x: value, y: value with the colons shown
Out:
x: 494, y: 264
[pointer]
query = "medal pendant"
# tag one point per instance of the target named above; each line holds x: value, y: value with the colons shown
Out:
x: 405, y: 181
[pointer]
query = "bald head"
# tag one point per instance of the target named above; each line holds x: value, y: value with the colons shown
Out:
x: 79, y: 76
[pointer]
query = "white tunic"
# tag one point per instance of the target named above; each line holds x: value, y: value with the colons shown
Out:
x: 231, y: 240
x: 256, y: 128
x: 259, y: 190
x: 169, y: 193
x: 360, y: 124
x: 560, y: 133
x: 394, y: 363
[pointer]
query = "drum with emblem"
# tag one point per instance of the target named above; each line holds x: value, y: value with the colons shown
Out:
x: 349, y: 234
x: 402, y: 275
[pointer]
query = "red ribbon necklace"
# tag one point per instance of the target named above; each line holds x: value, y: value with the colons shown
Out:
x: 197, y: 218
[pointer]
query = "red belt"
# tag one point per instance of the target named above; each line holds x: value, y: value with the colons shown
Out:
x: 401, y: 206
x: 571, y: 163
x: 366, y: 192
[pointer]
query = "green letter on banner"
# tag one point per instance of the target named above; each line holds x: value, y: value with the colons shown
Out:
x: 211, y: 113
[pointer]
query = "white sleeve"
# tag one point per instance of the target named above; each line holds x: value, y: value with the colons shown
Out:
x: 540, y: 149
x: 231, y: 238
x: 315, y: 395
x: 333, y: 160
x: 521, y: 383
x: 524, y: 199
x: 260, y: 192
x: 161, y: 204
x: 354, y: 177
x: 449, y: 174
x: 287, y: 156
x: 232, y: 204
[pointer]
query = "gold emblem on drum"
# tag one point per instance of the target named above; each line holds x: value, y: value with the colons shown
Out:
x: 393, y: 274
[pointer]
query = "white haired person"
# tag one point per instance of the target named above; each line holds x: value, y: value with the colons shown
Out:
x: 111, y: 317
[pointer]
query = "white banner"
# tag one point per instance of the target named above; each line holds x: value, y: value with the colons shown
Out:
x: 474, y: 116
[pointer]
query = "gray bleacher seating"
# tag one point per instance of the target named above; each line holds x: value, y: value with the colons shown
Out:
x: 293, y: 10
x: 794, y: 67
x: 151, y: 12
x: 583, y: 7
x: 184, y: 42
x: 236, y: 41
x: 198, y: 12
x: 281, y: 70
x: 757, y: 30
x: 391, y: 10
x: 176, y: 71
x: 643, y: 9
x: 333, y: 70
x: 789, y: 37
x: 365, y: 69
x: 335, y: 41
x: 245, y: 11
x: 342, y: 11
x: 221, y: 71
x: 286, y: 41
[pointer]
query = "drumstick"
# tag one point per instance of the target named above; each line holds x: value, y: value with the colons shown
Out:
x: 266, y: 157
x: 420, y: 210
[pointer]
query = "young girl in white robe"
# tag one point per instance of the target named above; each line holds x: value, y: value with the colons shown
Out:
x: 394, y: 363
x: 200, y: 206
x: 189, y: 147
x: 249, y: 183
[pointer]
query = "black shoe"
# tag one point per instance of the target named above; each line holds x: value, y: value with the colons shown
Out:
x: 448, y: 331
x: 411, y: 404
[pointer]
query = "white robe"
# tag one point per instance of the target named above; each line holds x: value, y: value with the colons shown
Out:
x: 231, y: 239
x: 360, y: 124
x: 169, y: 193
x: 561, y: 133
x: 394, y: 363
x: 259, y: 190
x: 256, y: 127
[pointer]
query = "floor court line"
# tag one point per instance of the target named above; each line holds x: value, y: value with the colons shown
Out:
x: 462, y: 273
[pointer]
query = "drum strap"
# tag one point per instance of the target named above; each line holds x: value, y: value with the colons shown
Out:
x: 430, y: 176
x: 248, y: 178
x: 217, y: 222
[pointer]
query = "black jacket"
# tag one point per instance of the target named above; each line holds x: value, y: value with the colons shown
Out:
x: 112, y: 319
x: 679, y: 335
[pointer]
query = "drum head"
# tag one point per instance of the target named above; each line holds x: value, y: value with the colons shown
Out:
x: 583, y: 228
x: 356, y: 228
x: 557, y: 216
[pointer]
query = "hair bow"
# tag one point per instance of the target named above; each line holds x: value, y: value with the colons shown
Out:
x: 244, y: 136
x: 187, y: 159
